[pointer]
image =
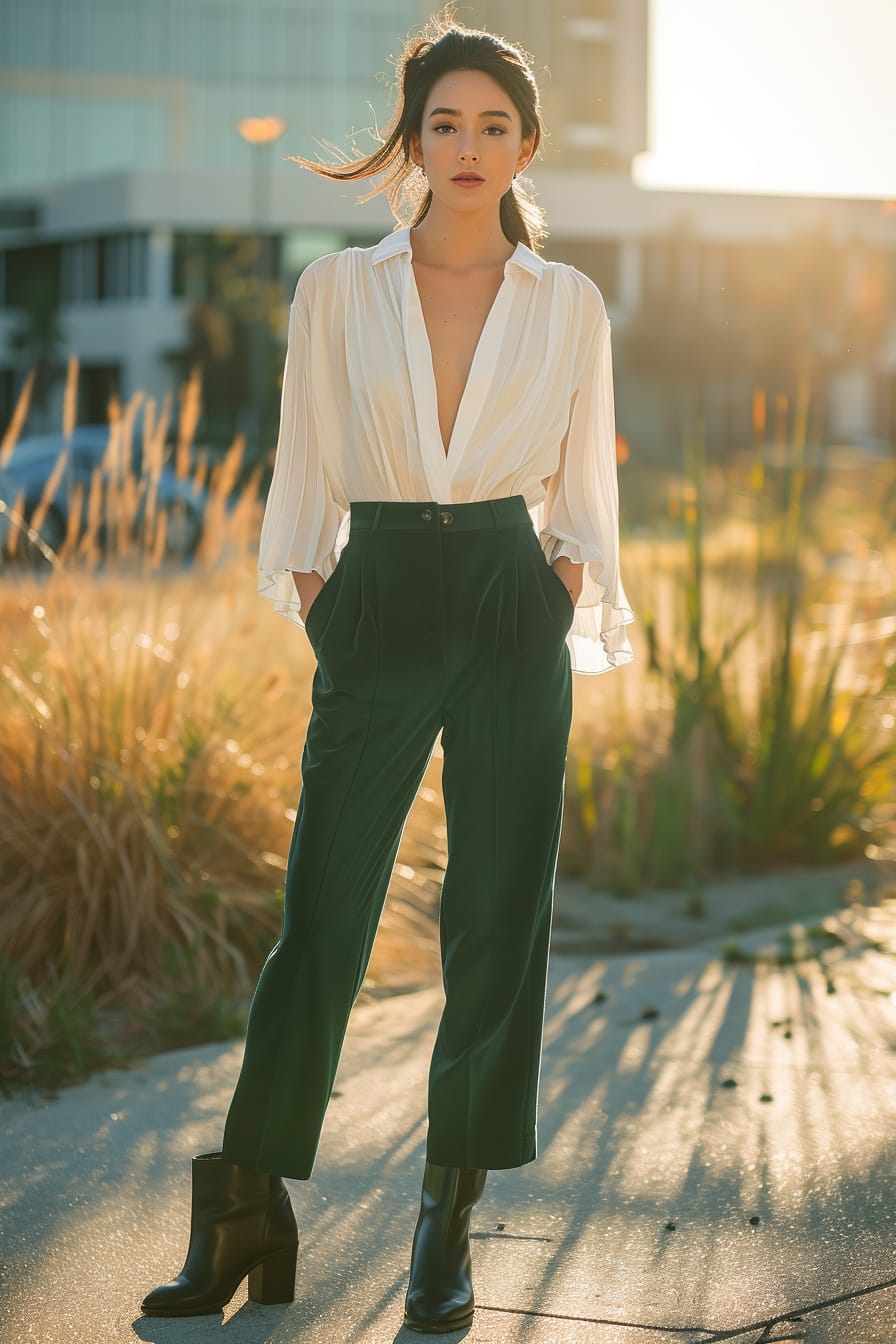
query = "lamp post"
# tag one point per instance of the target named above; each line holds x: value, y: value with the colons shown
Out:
x: 259, y: 133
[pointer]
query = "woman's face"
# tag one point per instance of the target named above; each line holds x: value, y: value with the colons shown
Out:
x: 470, y: 125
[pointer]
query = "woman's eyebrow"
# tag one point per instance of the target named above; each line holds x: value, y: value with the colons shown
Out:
x: 455, y: 112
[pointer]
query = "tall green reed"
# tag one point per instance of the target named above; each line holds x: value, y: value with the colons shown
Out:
x: 770, y: 759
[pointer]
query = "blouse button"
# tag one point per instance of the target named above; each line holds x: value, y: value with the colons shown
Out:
x: 447, y: 517
x: 426, y: 515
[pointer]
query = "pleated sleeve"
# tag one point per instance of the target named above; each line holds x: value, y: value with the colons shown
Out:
x: 301, y: 518
x: 581, y: 511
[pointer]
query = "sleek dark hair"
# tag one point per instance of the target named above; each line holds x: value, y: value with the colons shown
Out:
x: 445, y: 46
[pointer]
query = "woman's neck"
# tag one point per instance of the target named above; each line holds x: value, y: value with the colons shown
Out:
x: 460, y: 241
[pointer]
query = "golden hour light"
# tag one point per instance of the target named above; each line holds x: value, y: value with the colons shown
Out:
x: 448, y: 671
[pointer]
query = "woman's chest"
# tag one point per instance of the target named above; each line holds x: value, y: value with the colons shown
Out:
x: 455, y: 310
x: 420, y: 347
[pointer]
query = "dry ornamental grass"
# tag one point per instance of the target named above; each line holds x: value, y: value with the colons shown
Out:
x: 152, y: 717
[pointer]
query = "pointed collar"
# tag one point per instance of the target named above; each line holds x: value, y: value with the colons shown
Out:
x: 400, y: 241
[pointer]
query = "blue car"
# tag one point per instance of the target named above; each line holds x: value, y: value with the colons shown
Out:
x: 32, y: 462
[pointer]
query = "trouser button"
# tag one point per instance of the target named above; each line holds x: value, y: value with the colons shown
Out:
x: 426, y: 515
x: 447, y: 517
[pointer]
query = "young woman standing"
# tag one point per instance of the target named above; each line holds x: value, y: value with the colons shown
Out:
x: 443, y: 521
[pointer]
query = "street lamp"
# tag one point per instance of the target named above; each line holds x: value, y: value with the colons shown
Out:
x: 260, y: 133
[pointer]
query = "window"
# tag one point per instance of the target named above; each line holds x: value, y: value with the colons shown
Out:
x: 110, y: 268
x: 30, y: 271
x: 123, y: 266
x: 80, y: 271
x: 214, y: 265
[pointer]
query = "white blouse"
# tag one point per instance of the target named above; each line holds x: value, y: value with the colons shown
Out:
x: 359, y: 420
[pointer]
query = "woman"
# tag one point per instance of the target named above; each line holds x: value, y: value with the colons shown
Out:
x: 443, y: 521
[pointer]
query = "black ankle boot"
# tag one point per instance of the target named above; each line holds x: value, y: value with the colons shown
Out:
x: 242, y: 1223
x: 440, y: 1294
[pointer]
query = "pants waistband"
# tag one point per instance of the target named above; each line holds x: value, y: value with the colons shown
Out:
x: 371, y: 514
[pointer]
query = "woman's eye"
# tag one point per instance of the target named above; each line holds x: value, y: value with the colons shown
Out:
x: 446, y: 126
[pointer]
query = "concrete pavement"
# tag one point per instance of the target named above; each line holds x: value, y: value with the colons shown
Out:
x: 717, y: 1155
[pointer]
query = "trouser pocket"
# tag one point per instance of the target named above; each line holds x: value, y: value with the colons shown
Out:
x: 321, y: 609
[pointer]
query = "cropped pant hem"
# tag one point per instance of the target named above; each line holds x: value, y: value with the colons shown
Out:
x: 489, y: 1158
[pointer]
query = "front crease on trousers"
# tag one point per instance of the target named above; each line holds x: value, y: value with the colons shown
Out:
x: 427, y: 624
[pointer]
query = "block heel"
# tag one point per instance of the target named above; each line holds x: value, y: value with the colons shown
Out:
x: 241, y: 1224
x: 274, y: 1278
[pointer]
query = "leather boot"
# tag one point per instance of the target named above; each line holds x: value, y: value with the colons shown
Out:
x: 242, y: 1223
x: 440, y: 1293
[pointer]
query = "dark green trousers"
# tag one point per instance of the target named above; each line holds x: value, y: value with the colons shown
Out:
x: 437, y: 617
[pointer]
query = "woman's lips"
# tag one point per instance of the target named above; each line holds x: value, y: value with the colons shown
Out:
x: 467, y: 181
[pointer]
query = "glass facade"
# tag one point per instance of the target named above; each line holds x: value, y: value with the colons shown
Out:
x: 91, y: 86
x: 573, y: 48
x: 81, y: 270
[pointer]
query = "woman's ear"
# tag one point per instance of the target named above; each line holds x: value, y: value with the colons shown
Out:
x: 414, y: 149
x: 527, y: 153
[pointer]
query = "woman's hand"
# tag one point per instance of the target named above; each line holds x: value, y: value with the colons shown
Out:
x: 307, y: 586
x: 572, y: 575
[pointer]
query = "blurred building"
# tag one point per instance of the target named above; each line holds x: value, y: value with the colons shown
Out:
x: 591, y: 63
x: 123, y: 182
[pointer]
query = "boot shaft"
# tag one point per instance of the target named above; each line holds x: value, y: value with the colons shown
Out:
x: 440, y: 1290
x: 226, y: 1193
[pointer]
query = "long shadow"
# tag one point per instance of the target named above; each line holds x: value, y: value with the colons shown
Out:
x: 815, y: 1184
x: 701, y: 1174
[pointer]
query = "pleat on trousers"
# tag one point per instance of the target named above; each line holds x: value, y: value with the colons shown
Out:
x: 437, y: 617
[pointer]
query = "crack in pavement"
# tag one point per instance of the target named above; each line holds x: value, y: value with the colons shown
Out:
x: 700, y: 1334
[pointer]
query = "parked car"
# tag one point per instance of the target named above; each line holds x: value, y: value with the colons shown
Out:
x: 33, y: 460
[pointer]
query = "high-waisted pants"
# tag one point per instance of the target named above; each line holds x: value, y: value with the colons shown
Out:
x: 436, y: 617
